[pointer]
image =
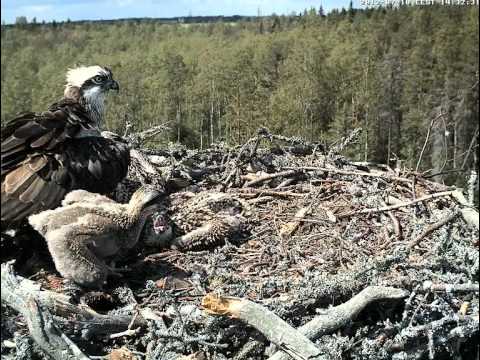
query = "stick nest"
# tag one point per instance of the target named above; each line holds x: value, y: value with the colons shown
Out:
x: 321, y: 229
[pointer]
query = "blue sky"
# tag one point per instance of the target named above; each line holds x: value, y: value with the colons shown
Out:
x: 59, y: 10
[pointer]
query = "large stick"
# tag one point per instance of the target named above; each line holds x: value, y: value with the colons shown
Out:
x: 267, y: 177
x: 396, y: 206
x: 348, y: 172
x: 341, y: 315
x: 431, y: 229
x: 39, y: 321
x: 275, y: 329
x: 16, y: 292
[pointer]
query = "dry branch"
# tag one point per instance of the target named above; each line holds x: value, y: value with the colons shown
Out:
x: 427, y: 137
x: 454, y: 326
x: 396, y: 225
x: 344, y: 142
x: 16, y: 290
x: 431, y: 229
x: 43, y: 330
x: 353, y: 173
x: 268, y: 177
x: 238, y: 160
x: 397, y: 206
x: 266, y: 192
x: 340, y: 315
x: 138, y: 138
x: 39, y: 321
x: 275, y: 329
x: 430, y: 286
x: 292, y: 226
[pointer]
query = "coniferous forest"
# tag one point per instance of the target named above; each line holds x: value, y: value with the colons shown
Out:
x: 403, y: 75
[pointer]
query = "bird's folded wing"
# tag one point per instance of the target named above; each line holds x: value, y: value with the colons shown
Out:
x: 40, y: 182
x: 37, y: 184
x: 42, y: 160
x: 96, y: 164
x: 41, y: 132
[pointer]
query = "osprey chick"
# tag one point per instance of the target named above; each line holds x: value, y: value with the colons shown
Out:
x: 197, y: 221
x: 46, y: 155
x: 88, y: 228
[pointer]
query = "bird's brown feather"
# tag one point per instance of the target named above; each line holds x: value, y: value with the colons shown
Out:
x: 42, y: 160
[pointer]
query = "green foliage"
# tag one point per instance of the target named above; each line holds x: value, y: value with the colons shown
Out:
x: 389, y: 71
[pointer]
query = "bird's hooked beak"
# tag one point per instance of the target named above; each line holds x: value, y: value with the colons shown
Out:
x: 113, y: 85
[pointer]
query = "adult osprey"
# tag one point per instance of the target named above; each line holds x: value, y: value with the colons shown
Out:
x: 46, y: 155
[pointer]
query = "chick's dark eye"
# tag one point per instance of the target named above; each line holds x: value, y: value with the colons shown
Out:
x: 97, y: 79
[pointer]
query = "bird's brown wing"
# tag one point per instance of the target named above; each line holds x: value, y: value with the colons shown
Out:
x: 42, y: 160
x: 95, y: 163
x: 38, y: 184
x: 41, y: 132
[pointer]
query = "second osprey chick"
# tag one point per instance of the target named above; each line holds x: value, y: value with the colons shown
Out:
x: 88, y: 228
x: 197, y: 221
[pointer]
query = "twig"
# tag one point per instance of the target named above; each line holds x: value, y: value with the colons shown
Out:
x: 427, y: 137
x: 414, y: 190
x: 128, y: 332
x: 137, y: 139
x: 432, y: 228
x: 396, y: 206
x: 262, y: 133
x: 430, y: 286
x: 396, y: 225
x: 267, y: 177
x: 48, y: 336
x: 344, y: 142
x: 246, y: 351
x: 266, y: 192
x: 285, y: 183
x: 341, y: 315
x: 292, y: 226
x: 354, y: 173
x: 429, y: 176
x: 470, y: 147
x: 275, y: 329
x: 186, y: 339
x: 466, y: 326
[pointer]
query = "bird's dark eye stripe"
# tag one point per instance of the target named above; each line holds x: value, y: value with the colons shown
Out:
x: 96, y: 79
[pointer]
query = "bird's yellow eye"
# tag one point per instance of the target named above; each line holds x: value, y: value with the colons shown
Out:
x: 97, y: 79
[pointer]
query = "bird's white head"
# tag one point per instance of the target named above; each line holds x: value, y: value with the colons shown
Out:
x: 89, y: 85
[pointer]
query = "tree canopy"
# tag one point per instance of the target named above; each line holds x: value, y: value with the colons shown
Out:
x: 394, y: 72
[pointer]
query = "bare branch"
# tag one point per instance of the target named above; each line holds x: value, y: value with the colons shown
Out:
x: 275, y: 329
x: 392, y: 207
x: 341, y: 315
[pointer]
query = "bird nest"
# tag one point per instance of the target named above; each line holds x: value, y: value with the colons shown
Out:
x: 340, y: 260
